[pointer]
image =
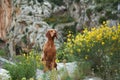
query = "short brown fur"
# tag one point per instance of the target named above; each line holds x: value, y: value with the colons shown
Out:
x: 49, y: 51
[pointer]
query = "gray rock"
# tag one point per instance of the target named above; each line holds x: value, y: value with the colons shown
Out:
x: 4, y: 74
x: 92, y: 78
x: 3, y: 60
x: 69, y: 67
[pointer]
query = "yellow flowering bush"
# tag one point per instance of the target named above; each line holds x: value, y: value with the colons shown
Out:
x: 99, y: 46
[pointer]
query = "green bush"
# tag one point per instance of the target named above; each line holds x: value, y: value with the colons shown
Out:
x: 100, y: 48
x: 101, y: 19
x: 82, y: 70
x: 2, y: 52
x: 25, y: 67
x: 50, y: 75
x: 99, y: 8
x: 64, y: 56
x: 110, y: 15
x: 65, y: 75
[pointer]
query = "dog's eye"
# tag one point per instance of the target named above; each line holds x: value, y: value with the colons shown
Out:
x: 51, y: 31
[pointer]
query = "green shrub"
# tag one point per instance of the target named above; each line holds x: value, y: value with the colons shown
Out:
x: 82, y: 70
x: 99, y: 8
x: 50, y: 75
x: 110, y: 15
x: 64, y: 56
x: 100, y: 48
x: 101, y: 19
x: 25, y: 67
x: 2, y: 52
x: 65, y: 75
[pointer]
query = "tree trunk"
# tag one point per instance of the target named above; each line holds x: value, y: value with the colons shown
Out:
x: 5, y: 17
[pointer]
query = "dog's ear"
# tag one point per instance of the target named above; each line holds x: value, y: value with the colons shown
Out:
x: 56, y: 35
x: 48, y: 34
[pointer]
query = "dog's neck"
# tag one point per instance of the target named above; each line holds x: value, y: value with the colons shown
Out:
x: 50, y: 41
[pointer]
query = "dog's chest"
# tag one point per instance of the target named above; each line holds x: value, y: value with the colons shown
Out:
x: 50, y: 48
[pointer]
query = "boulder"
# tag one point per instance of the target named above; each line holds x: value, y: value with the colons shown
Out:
x: 92, y: 78
x: 4, y: 74
x: 61, y: 68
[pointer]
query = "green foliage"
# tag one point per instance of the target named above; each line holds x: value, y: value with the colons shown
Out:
x: 106, y: 1
x: 24, y: 39
x: 108, y: 6
x: 82, y: 70
x: 54, y: 20
x: 101, y: 19
x: 77, y: 1
x: 25, y: 67
x: 69, y: 30
x: 57, y: 2
x: 40, y: 1
x: 65, y: 75
x: 99, y: 8
x: 64, y: 56
x: 50, y: 75
x: 110, y: 15
x: 100, y: 48
x: 97, y: 1
x: 89, y: 12
x: 2, y: 52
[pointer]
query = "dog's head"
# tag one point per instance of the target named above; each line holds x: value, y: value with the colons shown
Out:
x: 51, y: 33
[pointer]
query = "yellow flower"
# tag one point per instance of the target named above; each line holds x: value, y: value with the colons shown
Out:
x: 104, y: 22
x: 65, y: 43
x: 111, y: 54
x: 23, y: 78
x: 113, y: 38
x: 68, y: 40
x: 31, y: 79
x: 88, y: 50
x: 86, y: 57
x: 69, y: 35
x: 57, y: 60
x: 27, y: 57
x: 37, y: 57
x: 69, y: 31
x: 72, y: 39
x: 69, y: 45
x: 103, y: 43
x: 93, y: 29
x: 78, y: 50
x: 98, y: 37
x: 24, y: 55
x: 71, y: 51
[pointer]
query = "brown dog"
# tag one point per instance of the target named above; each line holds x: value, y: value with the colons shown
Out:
x: 49, y: 51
